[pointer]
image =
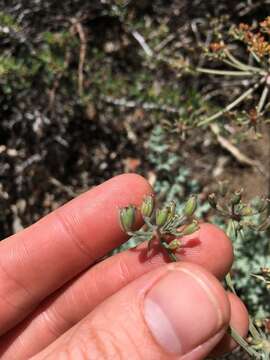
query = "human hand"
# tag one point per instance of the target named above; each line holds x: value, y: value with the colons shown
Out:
x: 55, y: 305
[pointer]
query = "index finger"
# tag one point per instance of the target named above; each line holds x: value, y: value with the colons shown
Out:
x: 40, y: 259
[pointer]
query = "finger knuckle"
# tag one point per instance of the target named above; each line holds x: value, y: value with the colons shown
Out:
x: 69, y: 224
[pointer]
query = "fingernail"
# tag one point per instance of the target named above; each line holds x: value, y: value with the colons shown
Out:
x: 182, y: 312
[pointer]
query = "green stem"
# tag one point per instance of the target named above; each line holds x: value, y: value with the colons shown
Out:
x: 262, y: 99
x: 252, y: 329
x: 230, y: 63
x: 255, y: 57
x: 224, y: 72
x: 240, y: 341
x: 229, y: 283
x: 235, y: 61
x: 241, y: 65
x: 231, y: 106
x: 171, y: 255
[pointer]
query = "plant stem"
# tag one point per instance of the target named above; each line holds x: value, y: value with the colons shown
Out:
x: 262, y: 99
x: 230, y: 63
x: 255, y: 57
x: 229, y: 283
x: 224, y: 72
x: 231, y: 106
x: 241, y: 65
x: 252, y: 329
x: 171, y: 255
x: 239, y: 340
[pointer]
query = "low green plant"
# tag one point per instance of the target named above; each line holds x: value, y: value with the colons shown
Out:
x: 173, y: 178
x: 242, y: 217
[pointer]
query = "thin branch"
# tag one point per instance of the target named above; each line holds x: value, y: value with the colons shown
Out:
x: 164, y: 43
x: 83, y: 46
x: 228, y: 62
x: 224, y: 72
x: 263, y: 99
x: 149, y: 52
x: 231, y: 106
x: 241, y: 65
x: 235, y: 152
x: 257, y: 59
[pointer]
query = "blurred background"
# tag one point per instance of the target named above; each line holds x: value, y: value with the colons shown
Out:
x: 91, y: 89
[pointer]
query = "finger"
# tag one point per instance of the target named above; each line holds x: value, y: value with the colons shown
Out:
x: 71, y: 304
x: 239, y: 321
x: 178, y: 311
x: 37, y: 261
x: 209, y: 247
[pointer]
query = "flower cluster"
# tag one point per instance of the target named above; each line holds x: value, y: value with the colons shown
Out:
x: 255, y: 40
x: 217, y: 49
x: 255, y: 68
x: 242, y: 215
x: 163, y: 224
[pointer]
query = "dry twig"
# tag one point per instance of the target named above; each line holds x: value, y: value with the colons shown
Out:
x: 83, y: 41
x: 235, y: 152
x: 142, y: 43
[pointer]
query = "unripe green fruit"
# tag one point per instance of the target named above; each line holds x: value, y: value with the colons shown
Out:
x: 191, y: 206
x: 162, y: 216
x: 147, y: 206
x: 191, y: 228
x: 127, y: 217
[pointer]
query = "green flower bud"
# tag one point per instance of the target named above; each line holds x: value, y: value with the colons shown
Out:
x: 191, y: 206
x: 172, y: 208
x: 127, y: 217
x: 162, y: 216
x: 235, y: 200
x: 147, y: 206
x: 223, y: 187
x: 174, y: 244
x: 212, y: 199
x: 191, y: 228
x: 246, y: 211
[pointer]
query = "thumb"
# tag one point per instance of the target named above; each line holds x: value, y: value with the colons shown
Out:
x: 178, y: 311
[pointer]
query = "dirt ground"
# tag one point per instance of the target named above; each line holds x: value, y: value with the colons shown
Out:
x: 254, y: 179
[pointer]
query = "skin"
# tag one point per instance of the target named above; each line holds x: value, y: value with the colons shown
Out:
x: 56, y: 299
